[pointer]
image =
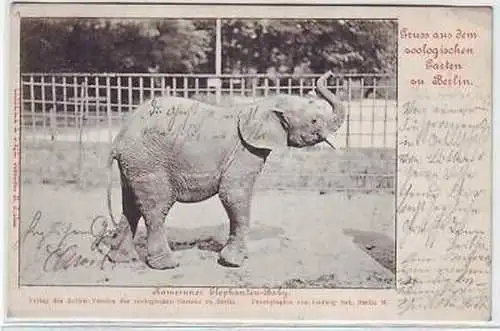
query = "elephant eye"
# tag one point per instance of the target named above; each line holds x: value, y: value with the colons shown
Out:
x: 314, y: 121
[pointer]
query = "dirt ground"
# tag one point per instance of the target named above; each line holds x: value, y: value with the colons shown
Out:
x: 298, y: 239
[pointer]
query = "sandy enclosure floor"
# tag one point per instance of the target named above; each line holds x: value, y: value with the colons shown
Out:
x: 298, y: 239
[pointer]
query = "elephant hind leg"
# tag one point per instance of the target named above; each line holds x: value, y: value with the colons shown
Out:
x: 155, y: 198
x: 130, y: 207
x: 122, y: 246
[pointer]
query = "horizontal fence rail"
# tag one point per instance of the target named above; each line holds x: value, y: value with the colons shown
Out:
x: 89, y: 108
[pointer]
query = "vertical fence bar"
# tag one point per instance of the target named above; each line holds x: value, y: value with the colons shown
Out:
x: 174, y: 86
x: 83, y: 101
x: 218, y: 59
x: 348, y: 134
x: 98, y: 102
x: 52, y: 123
x: 348, y: 117
x: 289, y: 86
x: 254, y: 87
x: 53, y: 115
x: 185, y: 87
x: 85, y: 104
x: 197, y: 85
x: 53, y: 90
x: 243, y: 86
x: 75, y: 100
x: 42, y: 85
x: 32, y: 97
x: 163, y: 85
x: 141, y: 90
x: 119, y: 96
x: 360, y: 126
x: 109, y: 110
x: 130, y: 94
x: 231, y: 86
x: 152, y: 87
x: 301, y: 86
x: 266, y: 86
x: 373, y: 111
x: 385, y: 116
x: 277, y: 89
x: 65, y: 98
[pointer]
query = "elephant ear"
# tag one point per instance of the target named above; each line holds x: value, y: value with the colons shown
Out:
x: 263, y: 128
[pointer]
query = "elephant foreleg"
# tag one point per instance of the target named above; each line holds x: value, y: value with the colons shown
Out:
x: 236, y: 201
x: 155, y: 198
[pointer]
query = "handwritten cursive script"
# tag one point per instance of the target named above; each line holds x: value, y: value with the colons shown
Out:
x: 445, y: 251
x: 64, y: 247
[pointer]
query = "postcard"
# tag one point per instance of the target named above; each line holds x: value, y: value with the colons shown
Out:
x: 222, y: 163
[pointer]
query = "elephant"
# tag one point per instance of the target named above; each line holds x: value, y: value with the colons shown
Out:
x: 176, y: 149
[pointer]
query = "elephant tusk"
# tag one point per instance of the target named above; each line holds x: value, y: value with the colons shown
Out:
x: 329, y: 143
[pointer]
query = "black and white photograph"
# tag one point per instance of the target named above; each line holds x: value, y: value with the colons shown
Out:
x: 255, y: 153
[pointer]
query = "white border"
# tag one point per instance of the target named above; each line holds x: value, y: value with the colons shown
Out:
x: 495, y: 308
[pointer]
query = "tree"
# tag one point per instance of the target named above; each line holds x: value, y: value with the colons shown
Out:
x: 181, y: 46
x: 100, y: 45
x: 302, y: 46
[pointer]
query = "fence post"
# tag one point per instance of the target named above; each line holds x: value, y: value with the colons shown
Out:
x: 348, y: 133
x: 152, y: 87
x: 218, y: 59
x: 83, y: 95
x: 53, y: 123
x: 75, y: 100
x: 98, y: 103
x: 185, y: 87
x: 141, y: 90
x: 54, y: 99
x: 65, y: 100
x: 109, y: 110
x: 373, y: 110
x: 348, y: 116
x: 119, y: 95
x: 42, y: 82
x: 218, y: 91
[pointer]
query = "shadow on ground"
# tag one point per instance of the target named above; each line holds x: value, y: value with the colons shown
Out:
x: 379, y: 247
x: 208, y: 238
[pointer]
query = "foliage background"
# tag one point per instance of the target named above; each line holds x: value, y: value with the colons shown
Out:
x: 188, y: 46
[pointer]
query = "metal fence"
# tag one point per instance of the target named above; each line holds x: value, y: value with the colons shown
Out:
x: 61, y: 109
x: 53, y: 104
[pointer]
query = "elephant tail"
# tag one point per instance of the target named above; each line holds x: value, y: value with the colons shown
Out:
x: 109, y: 166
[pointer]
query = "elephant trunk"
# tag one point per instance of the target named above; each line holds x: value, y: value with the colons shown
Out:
x: 338, y: 109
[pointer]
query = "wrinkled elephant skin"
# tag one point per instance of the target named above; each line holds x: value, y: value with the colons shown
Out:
x: 181, y: 150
